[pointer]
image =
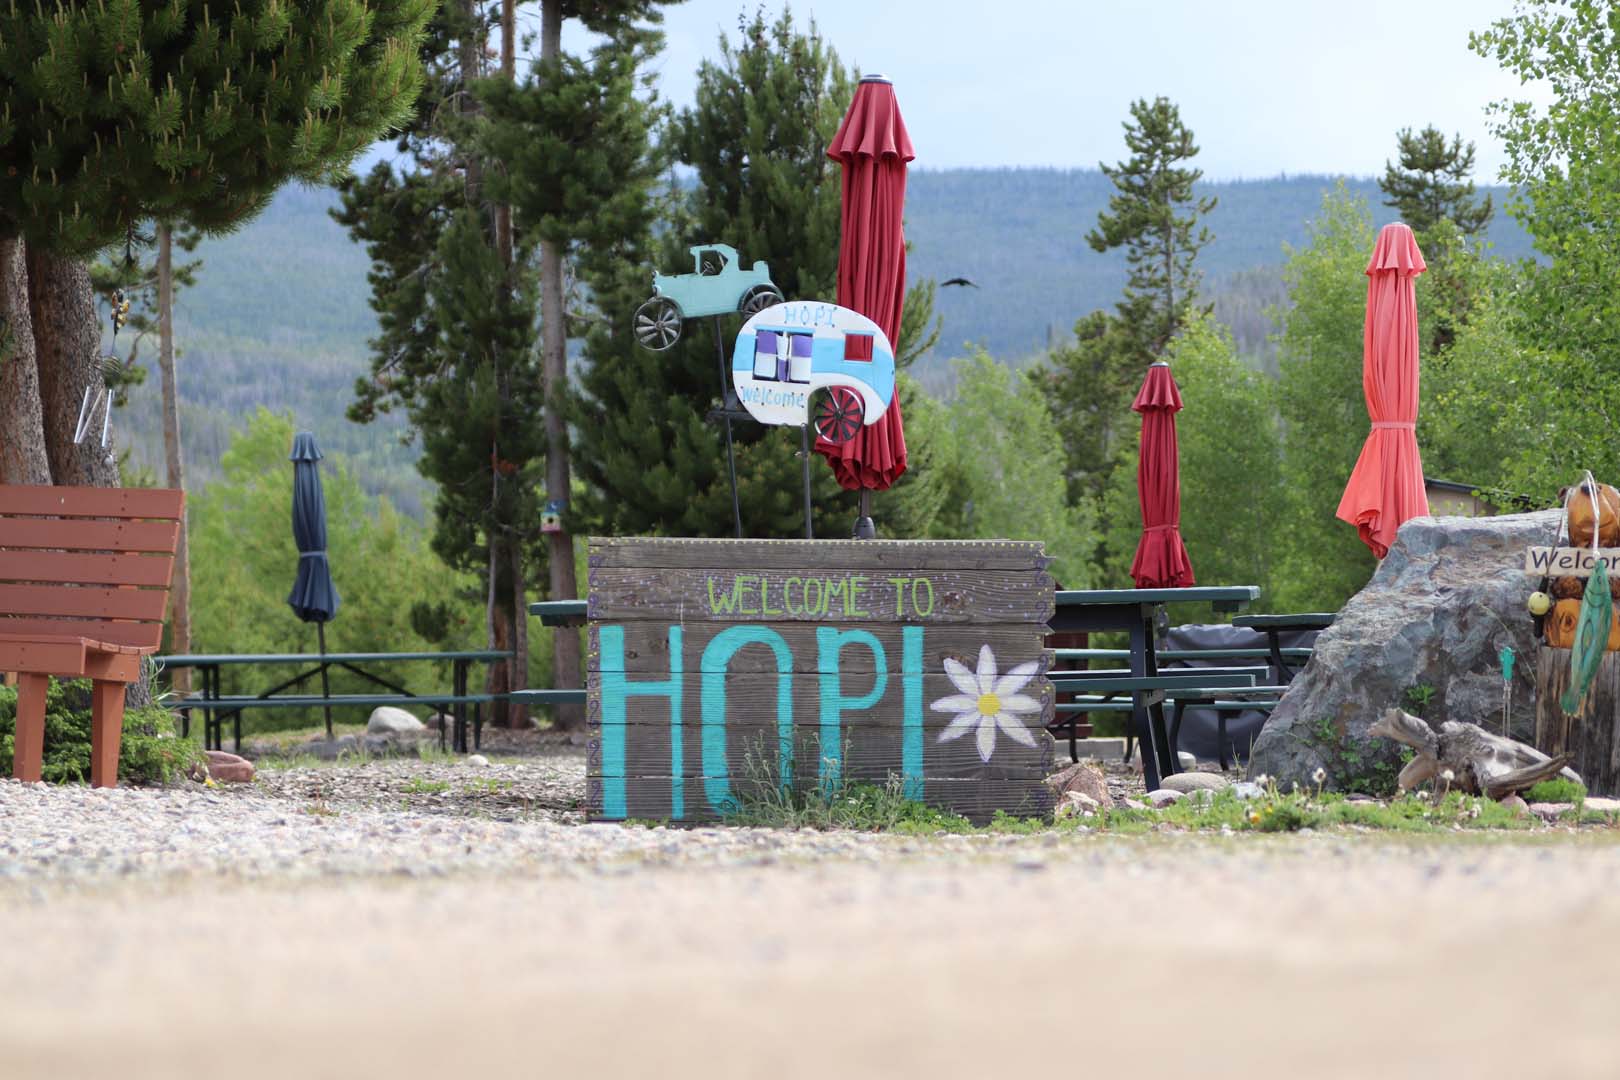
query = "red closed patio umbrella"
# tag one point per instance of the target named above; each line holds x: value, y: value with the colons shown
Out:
x: 1161, y: 558
x: 1386, y: 486
x: 873, y: 148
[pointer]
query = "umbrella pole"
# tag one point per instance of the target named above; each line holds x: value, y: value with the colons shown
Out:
x: 804, y: 453
x: 725, y: 406
x: 864, y: 527
x: 326, y: 694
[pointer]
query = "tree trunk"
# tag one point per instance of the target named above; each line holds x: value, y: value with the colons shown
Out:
x: 503, y: 211
x: 518, y: 716
x: 180, y: 591
x: 67, y: 337
x: 22, y: 427
x: 554, y: 372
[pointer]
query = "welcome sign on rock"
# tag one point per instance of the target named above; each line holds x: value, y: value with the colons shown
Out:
x: 725, y: 670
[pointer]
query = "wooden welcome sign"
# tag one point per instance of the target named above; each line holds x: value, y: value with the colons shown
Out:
x: 721, y: 670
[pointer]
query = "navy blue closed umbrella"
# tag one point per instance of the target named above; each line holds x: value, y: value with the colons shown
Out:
x: 313, y: 598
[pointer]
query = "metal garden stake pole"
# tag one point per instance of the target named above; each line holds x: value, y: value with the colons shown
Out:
x: 725, y: 407
x: 804, y: 452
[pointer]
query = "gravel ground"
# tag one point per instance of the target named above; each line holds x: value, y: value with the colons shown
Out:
x: 352, y: 921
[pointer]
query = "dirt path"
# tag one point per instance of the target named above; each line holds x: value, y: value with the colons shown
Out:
x: 1315, y: 956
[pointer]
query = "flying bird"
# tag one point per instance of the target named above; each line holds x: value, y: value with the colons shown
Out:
x: 959, y: 281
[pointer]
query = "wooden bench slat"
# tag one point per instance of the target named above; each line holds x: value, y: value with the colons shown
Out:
x: 87, y: 502
x: 80, y: 569
x: 84, y: 601
x: 158, y: 537
x: 145, y: 636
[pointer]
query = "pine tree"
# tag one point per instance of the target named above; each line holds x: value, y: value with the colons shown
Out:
x: 756, y: 140
x: 1431, y: 184
x: 123, y: 112
x: 1155, y: 217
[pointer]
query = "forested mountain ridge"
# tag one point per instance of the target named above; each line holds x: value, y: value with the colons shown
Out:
x: 279, y: 316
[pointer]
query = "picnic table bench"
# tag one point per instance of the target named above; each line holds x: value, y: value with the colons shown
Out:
x: 1274, y: 626
x: 84, y: 585
x: 216, y: 706
x: 554, y: 613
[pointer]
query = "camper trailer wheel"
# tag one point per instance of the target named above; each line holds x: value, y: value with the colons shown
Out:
x: 838, y: 414
x: 658, y: 323
x: 757, y: 299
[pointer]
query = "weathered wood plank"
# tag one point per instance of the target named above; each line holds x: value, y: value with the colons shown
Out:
x: 935, y: 596
x: 645, y: 647
x: 81, y: 535
x: 1593, y: 739
x: 88, y: 502
x: 859, y: 698
x: 865, y: 751
x: 843, y: 555
x: 78, y: 569
x: 654, y: 799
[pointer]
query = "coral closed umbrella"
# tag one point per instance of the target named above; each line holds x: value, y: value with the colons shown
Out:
x: 1161, y: 558
x: 314, y: 599
x: 1386, y: 486
x: 873, y: 148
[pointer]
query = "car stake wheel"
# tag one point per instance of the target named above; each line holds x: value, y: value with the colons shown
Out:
x: 658, y: 323
x: 757, y: 299
x: 837, y: 414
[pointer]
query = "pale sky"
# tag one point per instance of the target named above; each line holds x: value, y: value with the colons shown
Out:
x: 1268, y: 86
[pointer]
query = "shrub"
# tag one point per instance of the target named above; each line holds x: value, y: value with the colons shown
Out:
x: 1558, y: 789
x: 151, y: 752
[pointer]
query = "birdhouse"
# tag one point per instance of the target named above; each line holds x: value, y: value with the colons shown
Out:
x: 551, y: 515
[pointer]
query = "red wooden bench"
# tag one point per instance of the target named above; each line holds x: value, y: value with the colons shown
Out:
x: 84, y: 585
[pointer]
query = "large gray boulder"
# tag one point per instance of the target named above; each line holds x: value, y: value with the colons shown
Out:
x: 1431, y: 622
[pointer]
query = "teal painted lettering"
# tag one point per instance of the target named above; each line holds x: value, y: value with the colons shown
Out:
x: 617, y: 691
x: 722, y: 603
x: 716, y: 657
x: 830, y: 645
x: 911, y: 720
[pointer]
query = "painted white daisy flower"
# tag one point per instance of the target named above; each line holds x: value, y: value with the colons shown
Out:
x: 988, y: 702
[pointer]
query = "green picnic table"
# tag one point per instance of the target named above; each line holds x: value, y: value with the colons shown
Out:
x: 1137, y: 611
x: 1274, y: 626
x: 216, y: 706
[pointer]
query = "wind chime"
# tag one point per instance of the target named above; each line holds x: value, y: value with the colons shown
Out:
x: 98, y: 396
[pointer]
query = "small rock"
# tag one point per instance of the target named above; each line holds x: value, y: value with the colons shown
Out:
x: 387, y: 720
x: 440, y: 722
x: 1135, y: 804
x: 1601, y: 805
x: 1247, y: 789
x: 229, y: 767
x: 1519, y: 807
x: 1162, y: 797
x: 1084, y: 777
x: 1356, y: 796
x: 1188, y: 761
x: 1550, y: 811
x: 1188, y: 782
x: 477, y: 759
x: 332, y: 749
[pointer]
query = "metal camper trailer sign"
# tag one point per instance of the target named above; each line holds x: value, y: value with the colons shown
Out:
x: 725, y: 670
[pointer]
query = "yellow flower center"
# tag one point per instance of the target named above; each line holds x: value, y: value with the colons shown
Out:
x: 989, y: 704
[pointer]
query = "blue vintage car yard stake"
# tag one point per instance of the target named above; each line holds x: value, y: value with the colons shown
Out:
x: 718, y: 286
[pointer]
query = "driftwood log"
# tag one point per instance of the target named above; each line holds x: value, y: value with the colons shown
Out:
x: 1480, y: 763
x: 1592, y: 740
